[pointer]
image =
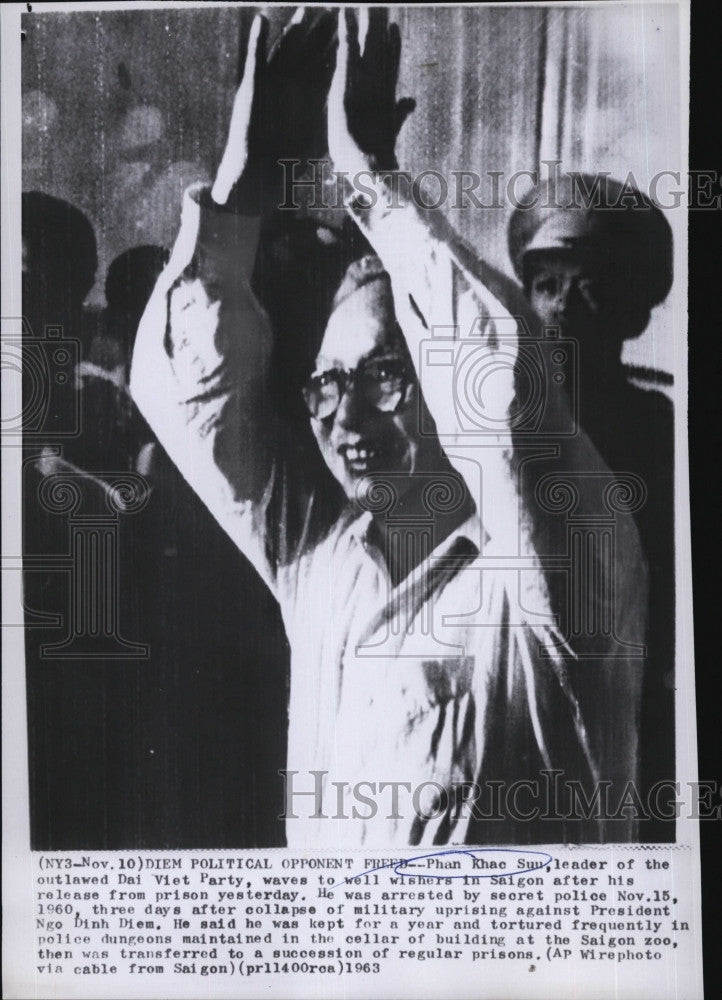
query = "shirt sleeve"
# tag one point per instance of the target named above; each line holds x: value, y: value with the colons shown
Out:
x: 201, y: 378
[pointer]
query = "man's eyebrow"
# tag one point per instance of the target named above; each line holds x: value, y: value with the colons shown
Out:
x: 380, y: 352
x: 385, y: 351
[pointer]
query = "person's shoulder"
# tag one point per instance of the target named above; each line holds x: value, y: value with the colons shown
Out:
x: 650, y: 402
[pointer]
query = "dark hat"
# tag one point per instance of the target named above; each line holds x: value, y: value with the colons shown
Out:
x: 132, y: 276
x: 603, y: 218
x: 60, y: 241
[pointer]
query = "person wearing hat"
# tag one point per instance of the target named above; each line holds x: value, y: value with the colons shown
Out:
x: 281, y: 364
x: 595, y: 257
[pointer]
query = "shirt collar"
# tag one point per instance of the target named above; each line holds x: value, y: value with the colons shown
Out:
x: 471, y: 529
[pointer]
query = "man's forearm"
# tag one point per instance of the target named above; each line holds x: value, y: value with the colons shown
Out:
x: 201, y: 369
x: 205, y: 336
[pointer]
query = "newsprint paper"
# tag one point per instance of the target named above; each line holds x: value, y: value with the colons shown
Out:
x: 346, y: 567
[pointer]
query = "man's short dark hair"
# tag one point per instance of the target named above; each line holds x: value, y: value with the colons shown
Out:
x: 59, y: 239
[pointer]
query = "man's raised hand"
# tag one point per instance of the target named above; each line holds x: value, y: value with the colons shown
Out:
x: 364, y: 117
x: 239, y: 156
x: 278, y: 111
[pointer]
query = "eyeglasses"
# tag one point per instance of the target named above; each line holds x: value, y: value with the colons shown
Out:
x: 383, y: 382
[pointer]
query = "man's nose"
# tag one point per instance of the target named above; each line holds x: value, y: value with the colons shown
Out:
x: 351, y: 408
x: 568, y: 296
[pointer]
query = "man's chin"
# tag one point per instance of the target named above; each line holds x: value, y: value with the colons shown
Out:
x: 376, y: 491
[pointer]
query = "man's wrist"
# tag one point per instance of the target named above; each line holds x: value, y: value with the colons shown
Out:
x: 377, y: 191
x: 225, y: 239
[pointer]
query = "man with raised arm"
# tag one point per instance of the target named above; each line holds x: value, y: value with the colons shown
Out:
x: 465, y: 648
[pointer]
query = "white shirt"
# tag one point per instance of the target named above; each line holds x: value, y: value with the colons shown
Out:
x: 460, y: 673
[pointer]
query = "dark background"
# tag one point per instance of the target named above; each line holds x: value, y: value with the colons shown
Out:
x: 177, y: 750
x: 705, y: 442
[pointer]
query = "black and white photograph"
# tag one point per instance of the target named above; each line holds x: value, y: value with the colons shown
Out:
x: 349, y: 437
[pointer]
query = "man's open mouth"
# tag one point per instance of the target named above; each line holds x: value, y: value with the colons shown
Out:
x: 361, y: 457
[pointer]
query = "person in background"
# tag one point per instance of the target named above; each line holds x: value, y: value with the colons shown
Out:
x: 129, y: 282
x: 59, y: 261
x: 114, y: 432
x: 173, y: 764
x: 595, y: 257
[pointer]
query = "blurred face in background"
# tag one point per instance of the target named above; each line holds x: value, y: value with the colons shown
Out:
x: 589, y: 298
x: 59, y: 260
x: 565, y: 291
